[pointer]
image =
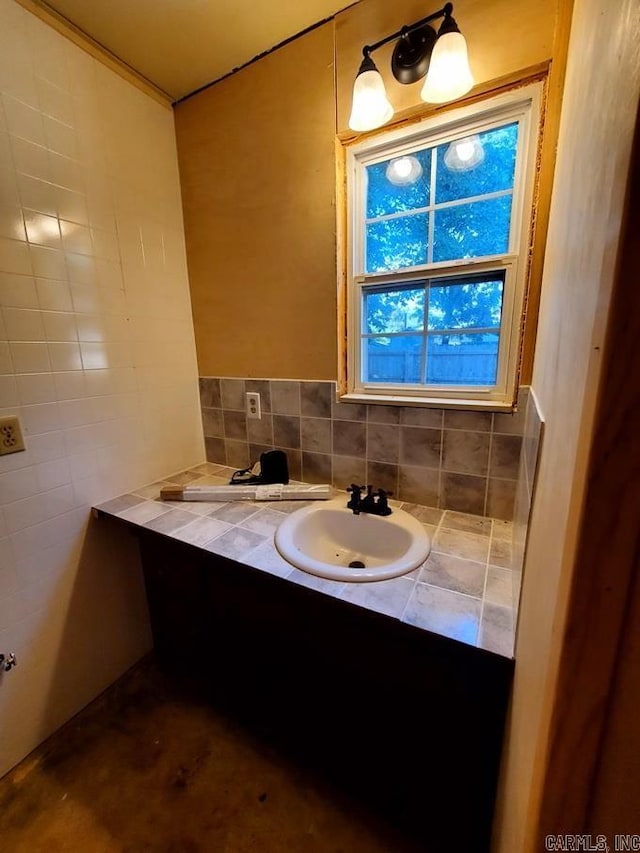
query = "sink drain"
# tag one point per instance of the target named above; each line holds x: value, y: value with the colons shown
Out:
x: 356, y: 564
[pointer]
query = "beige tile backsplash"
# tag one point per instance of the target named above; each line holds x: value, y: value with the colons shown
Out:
x: 464, y: 461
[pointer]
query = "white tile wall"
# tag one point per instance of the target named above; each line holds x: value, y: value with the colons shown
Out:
x: 97, y: 357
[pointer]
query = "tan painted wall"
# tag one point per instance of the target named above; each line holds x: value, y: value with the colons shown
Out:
x: 262, y: 248
x: 585, y: 222
x: 258, y: 184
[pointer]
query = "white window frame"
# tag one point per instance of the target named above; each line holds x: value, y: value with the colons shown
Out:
x: 521, y: 105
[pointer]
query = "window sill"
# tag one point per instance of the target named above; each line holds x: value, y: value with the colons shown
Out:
x: 428, y: 402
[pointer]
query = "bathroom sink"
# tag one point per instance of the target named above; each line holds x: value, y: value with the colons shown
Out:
x: 328, y: 540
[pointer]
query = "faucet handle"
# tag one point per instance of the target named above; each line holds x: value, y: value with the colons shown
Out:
x: 354, y: 501
x: 383, y: 506
x: 368, y: 500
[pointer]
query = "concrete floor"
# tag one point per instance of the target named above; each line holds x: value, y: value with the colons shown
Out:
x: 151, y: 766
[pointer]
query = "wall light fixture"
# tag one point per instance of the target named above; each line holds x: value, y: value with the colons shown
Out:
x: 419, y: 52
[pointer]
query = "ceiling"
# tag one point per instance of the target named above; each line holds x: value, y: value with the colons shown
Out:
x: 181, y: 45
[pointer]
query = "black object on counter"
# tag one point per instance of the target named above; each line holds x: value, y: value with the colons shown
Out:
x: 274, y: 468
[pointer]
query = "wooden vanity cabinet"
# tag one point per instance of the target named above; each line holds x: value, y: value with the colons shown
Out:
x: 409, y: 721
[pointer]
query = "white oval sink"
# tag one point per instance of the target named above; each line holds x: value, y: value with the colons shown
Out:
x: 323, y: 539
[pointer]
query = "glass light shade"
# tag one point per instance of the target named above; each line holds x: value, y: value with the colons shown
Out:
x: 403, y: 171
x: 449, y: 75
x: 370, y: 107
x: 462, y: 155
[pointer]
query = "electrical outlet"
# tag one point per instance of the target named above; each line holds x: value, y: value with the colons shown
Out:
x: 11, y: 440
x: 253, y: 405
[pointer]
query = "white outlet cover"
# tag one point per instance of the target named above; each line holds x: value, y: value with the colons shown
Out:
x: 253, y: 405
x: 11, y: 439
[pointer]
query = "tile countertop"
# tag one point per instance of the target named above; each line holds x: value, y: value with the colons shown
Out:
x: 462, y: 591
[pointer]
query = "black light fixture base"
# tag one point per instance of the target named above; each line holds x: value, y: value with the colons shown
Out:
x: 412, y: 54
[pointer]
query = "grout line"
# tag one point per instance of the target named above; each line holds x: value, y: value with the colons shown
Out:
x: 486, y: 578
x: 437, y: 530
x: 414, y: 581
x: 486, y: 488
x: 441, y: 460
x: 452, y: 591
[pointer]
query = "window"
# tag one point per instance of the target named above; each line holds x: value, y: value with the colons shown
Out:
x: 439, y: 221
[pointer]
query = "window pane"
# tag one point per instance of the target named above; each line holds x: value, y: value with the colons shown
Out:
x: 384, y: 197
x: 462, y: 359
x: 400, y: 310
x: 494, y: 154
x: 396, y: 360
x: 397, y: 243
x: 472, y: 230
x: 465, y: 305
